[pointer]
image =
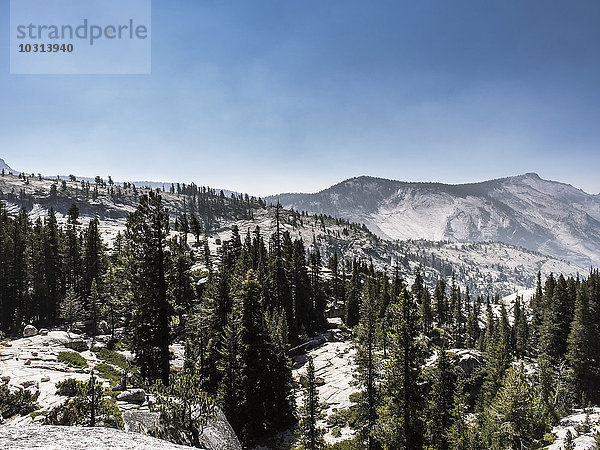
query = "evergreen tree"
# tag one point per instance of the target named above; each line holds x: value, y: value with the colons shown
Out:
x: 441, y: 403
x: 578, y: 349
x: 184, y: 408
x: 52, y: 269
x: 71, y: 308
x: 367, y: 374
x: 557, y: 320
x: 421, y: 294
x: 472, y: 327
x: 147, y: 230
x: 441, y: 303
x: 509, y: 419
x: 399, y: 423
x: 310, y: 435
x: 231, y: 393
x: 353, y: 298
x: 460, y: 435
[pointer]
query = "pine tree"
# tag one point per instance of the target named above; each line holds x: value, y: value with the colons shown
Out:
x: 498, y: 356
x: 231, y: 394
x: 52, y: 268
x: 441, y: 402
x: 460, y: 435
x: 310, y: 435
x: 557, y: 320
x: 367, y: 374
x: 578, y: 349
x: 441, y: 303
x: 179, y: 276
x: 509, y: 419
x: 421, y: 294
x: 147, y: 230
x: 94, y: 258
x: 71, y: 308
x: 300, y: 286
x: 399, y: 424
x: 472, y: 328
x: 520, y: 328
x: 353, y: 298
x: 184, y: 408
x: 73, y: 250
x: 94, y: 305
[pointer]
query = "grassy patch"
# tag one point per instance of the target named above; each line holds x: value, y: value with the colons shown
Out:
x: 109, y: 373
x: 72, y: 359
x: 34, y: 414
x: 111, y: 357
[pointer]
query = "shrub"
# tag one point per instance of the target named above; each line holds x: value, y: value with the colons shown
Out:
x: 72, y: 359
x: 109, y: 373
x: 111, y: 357
x: 339, y: 418
x: 19, y: 402
x: 68, y: 387
x: 184, y: 408
x: 90, y: 397
x: 348, y: 444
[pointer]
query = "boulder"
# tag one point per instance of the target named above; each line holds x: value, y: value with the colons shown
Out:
x: 45, y: 379
x: 33, y: 391
x: 218, y: 434
x: 137, y: 396
x: 43, y: 332
x: 30, y: 383
x: 29, y: 331
x: 77, y: 344
x: 5, y: 378
x: 140, y: 421
x: 103, y: 327
x: 469, y: 360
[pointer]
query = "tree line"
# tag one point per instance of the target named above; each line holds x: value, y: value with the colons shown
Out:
x: 239, y: 312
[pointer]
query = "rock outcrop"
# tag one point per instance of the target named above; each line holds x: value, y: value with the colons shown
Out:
x: 70, y: 438
x: 29, y: 331
x: 137, y: 396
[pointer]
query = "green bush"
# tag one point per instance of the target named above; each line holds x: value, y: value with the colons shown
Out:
x: 348, y: 444
x: 77, y: 410
x: 68, y: 387
x: 111, y: 357
x: 19, y: 402
x: 339, y: 418
x: 72, y: 359
x: 109, y: 373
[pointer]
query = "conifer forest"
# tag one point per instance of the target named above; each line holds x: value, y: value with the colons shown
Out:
x: 242, y: 311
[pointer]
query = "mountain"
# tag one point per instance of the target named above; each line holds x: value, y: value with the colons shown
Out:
x: 5, y: 167
x: 487, y: 267
x: 526, y: 211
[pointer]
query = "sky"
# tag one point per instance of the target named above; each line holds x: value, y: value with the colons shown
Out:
x: 294, y: 96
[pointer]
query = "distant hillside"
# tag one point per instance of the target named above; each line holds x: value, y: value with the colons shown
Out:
x: 5, y: 167
x: 487, y: 267
x: 541, y: 215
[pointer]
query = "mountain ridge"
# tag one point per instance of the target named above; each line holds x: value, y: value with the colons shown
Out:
x: 524, y: 210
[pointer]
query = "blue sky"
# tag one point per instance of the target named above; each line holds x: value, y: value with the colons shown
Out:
x: 277, y: 96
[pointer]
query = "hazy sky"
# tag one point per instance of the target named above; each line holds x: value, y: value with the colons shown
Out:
x: 276, y: 96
